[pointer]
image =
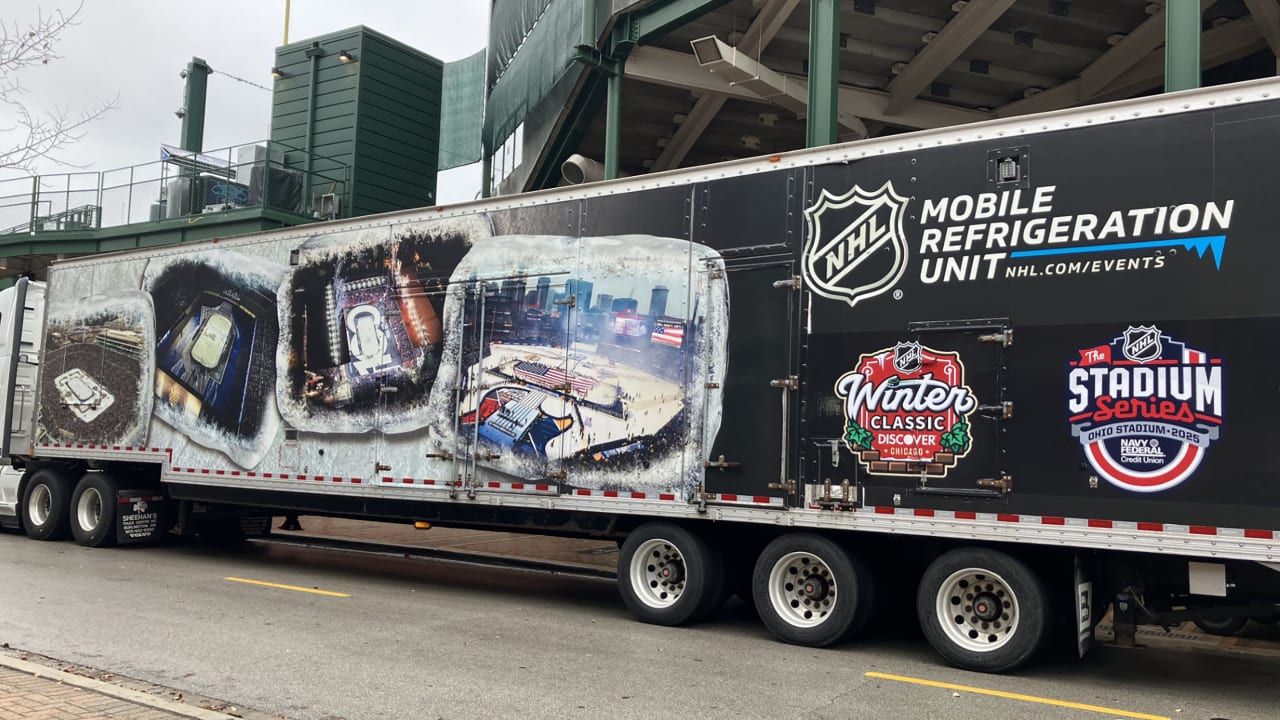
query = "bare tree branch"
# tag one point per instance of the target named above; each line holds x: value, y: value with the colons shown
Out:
x: 33, y: 134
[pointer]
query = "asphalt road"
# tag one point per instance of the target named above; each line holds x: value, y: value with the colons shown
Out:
x: 417, y: 638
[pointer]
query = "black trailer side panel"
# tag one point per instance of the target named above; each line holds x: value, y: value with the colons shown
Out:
x: 1132, y: 266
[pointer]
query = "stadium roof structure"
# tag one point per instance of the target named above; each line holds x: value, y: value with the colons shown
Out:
x: 675, y: 83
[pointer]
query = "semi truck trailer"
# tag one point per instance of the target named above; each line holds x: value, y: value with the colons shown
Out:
x: 1010, y: 374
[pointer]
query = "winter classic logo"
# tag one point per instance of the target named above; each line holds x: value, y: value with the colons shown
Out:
x: 1145, y: 407
x: 856, y: 247
x: 907, y: 410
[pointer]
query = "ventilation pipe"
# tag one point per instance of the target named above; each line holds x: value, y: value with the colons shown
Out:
x: 580, y: 169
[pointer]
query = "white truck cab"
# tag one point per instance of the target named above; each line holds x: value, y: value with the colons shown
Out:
x: 21, y: 333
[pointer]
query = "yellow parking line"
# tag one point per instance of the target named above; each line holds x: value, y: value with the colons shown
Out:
x: 1018, y: 696
x: 287, y: 587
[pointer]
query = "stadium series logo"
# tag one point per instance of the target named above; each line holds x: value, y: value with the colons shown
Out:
x: 856, y: 248
x: 1145, y: 407
x: 907, y: 410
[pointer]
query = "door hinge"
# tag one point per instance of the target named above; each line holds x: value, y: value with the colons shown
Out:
x: 379, y: 467
x: 1004, y: 410
x: 440, y: 456
x: 571, y: 301
x: 845, y: 502
x: 791, y: 283
x: 557, y: 475
x: 790, y: 382
x: 1004, y: 337
x: 1004, y: 484
x: 789, y: 486
x: 720, y: 463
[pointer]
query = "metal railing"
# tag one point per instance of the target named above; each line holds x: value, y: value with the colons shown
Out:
x: 180, y: 184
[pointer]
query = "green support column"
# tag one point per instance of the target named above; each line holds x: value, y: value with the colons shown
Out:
x: 193, y: 101
x: 824, y: 71
x: 613, y: 123
x: 486, y: 171
x: 1181, y: 45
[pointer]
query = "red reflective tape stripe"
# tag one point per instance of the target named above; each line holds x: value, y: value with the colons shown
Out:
x: 495, y: 484
x: 1260, y: 534
x: 760, y: 499
x: 637, y: 496
x: 115, y: 447
x: 1100, y: 523
x: 1203, y: 530
x: 387, y: 479
x: 337, y: 479
x: 541, y: 487
x: 611, y: 493
x: 1007, y: 518
x: 517, y: 486
x: 220, y: 472
x: 356, y: 481
x: 204, y: 471
x: 407, y: 481
x: 584, y: 492
x: 1048, y: 520
x: 235, y: 473
x: 666, y: 496
x: 884, y: 510
x: 267, y: 475
x: 1151, y: 527
x: 922, y: 512
x: 729, y: 497
x: 966, y: 515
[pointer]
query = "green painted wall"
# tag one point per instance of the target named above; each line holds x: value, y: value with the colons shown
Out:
x: 378, y: 116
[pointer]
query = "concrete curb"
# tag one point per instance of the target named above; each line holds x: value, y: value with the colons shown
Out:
x: 105, y: 688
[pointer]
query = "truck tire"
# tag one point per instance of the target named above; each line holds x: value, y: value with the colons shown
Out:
x: 46, y: 502
x: 94, y: 509
x: 668, y: 575
x: 982, y: 610
x: 1226, y: 627
x: 809, y: 591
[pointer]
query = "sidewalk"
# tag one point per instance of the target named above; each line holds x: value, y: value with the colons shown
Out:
x: 32, y: 691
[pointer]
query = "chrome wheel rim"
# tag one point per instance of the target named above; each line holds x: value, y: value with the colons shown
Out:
x: 802, y: 589
x: 89, y: 509
x: 658, y: 573
x: 977, y: 609
x: 40, y: 504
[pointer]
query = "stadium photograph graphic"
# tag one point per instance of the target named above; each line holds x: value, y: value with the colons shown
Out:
x: 581, y: 353
x: 95, y: 384
x: 215, y: 350
x: 364, y: 331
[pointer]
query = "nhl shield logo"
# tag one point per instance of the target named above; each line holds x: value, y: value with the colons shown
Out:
x: 906, y: 357
x: 1142, y: 343
x: 856, y: 248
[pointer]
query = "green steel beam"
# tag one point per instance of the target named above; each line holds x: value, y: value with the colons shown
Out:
x: 824, y: 72
x: 1181, y: 45
x: 193, y: 102
x: 661, y: 17
x: 613, y: 123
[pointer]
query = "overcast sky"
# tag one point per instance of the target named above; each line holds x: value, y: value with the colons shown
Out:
x: 134, y: 49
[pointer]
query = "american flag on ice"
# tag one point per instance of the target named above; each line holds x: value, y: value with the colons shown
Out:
x: 552, y: 378
x: 672, y: 335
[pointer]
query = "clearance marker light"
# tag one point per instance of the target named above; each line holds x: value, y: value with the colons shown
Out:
x: 422, y: 525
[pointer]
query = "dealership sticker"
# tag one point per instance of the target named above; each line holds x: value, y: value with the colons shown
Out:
x: 1145, y: 407
x: 907, y: 410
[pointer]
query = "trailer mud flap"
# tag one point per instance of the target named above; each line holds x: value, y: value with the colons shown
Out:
x: 1083, y: 607
x: 143, y: 516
